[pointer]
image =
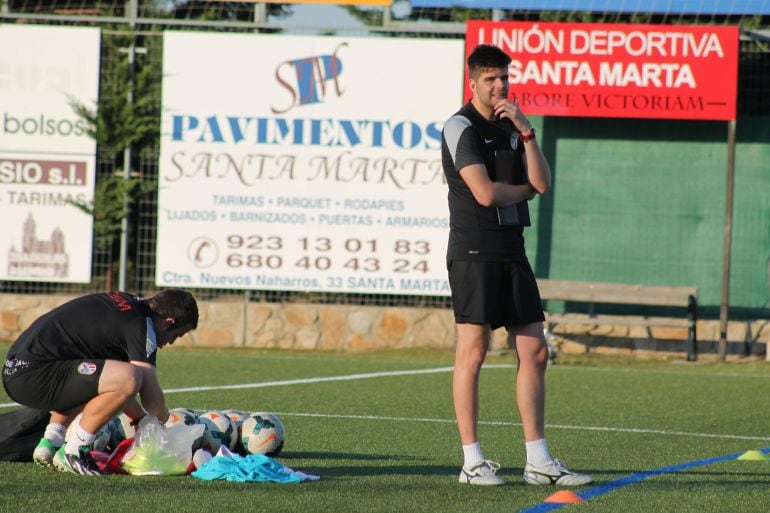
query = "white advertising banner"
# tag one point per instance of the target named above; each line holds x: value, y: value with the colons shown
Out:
x: 46, y: 157
x: 305, y: 163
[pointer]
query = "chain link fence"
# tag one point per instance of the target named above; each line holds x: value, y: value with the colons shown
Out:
x: 134, y: 30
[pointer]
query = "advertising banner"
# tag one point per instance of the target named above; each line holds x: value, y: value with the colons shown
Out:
x: 46, y: 157
x: 305, y: 163
x: 617, y: 70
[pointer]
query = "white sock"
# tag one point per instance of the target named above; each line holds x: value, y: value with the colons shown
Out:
x: 54, y: 433
x: 79, y: 437
x: 472, y: 454
x: 537, y: 453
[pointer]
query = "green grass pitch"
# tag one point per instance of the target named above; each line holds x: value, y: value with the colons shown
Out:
x: 382, y: 436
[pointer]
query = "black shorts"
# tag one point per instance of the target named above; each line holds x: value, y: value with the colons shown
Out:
x: 53, y: 386
x: 494, y: 293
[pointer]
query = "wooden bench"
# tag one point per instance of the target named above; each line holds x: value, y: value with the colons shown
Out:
x: 618, y: 293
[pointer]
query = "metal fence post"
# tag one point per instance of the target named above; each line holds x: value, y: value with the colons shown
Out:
x: 727, y: 240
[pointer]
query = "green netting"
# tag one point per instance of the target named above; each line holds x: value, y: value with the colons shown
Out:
x: 644, y: 202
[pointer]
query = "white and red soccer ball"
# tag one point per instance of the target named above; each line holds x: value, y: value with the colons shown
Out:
x: 262, y: 433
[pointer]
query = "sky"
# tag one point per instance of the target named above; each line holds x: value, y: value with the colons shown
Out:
x: 333, y: 15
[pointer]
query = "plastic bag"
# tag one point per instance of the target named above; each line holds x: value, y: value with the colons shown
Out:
x: 160, y: 451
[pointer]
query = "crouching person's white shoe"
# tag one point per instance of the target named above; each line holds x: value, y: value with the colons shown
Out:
x: 43, y: 453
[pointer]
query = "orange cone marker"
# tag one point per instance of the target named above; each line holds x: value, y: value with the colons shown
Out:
x: 564, y: 497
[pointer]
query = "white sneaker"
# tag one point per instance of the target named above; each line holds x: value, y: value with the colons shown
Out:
x: 483, y: 473
x: 43, y: 453
x: 554, y: 473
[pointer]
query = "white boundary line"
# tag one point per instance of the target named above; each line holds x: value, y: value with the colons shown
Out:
x: 305, y: 381
x: 507, y: 423
x: 435, y: 370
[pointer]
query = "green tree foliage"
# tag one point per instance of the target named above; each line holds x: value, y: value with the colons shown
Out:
x: 128, y: 113
x: 112, y: 199
x: 127, y: 116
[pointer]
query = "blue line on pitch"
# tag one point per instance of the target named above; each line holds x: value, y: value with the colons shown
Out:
x: 611, y: 486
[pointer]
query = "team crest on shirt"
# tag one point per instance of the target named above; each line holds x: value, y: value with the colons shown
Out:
x: 514, y: 140
x: 87, y: 368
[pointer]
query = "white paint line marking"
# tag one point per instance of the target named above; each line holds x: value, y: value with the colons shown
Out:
x: 305, y: 381
x: 435, y: 370
x: 507, y: 424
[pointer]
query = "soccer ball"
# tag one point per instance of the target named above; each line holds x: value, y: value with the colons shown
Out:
x: 180, y: 416
x: 102, y: 441
x: 220, y: 430
x: 115, y: 434
x: 262, y: 433
x: 183, y: 416
x: 120, y: 429
x: 237, y: 416
x: 103, y: 435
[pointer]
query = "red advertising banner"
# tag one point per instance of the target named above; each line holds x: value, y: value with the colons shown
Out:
x: 617, y: 70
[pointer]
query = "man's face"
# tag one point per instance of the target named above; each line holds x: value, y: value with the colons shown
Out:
x: 167, y: 331
x: 491, y: 86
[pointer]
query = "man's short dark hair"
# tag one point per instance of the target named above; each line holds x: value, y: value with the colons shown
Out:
x: 178, y: 304
x: 486, y: 57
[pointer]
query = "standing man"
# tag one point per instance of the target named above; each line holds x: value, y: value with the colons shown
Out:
x: 93, y: 355
x: 491, y: 280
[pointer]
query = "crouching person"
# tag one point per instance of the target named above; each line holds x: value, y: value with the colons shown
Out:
x: 93, y: 355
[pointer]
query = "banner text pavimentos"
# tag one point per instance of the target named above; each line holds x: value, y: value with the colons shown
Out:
x: 330, y: 132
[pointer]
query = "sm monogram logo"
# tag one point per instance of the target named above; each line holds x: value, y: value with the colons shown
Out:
x: 310, y: 79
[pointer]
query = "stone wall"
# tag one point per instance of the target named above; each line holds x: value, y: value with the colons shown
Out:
x: 234, y: 323
x: 323, y: 327
x: 745, y: 338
